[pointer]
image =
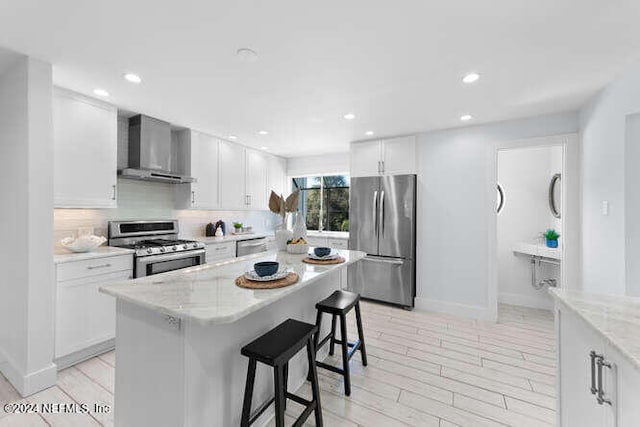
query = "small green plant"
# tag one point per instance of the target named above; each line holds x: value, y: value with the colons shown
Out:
x: 345, y: 225
x: 551, y: 234
x: 237, y: 225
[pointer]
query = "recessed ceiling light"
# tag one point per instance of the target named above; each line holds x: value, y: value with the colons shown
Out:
x: 471, y: 77
x: 263, y: 132
x: 369, y: 133
x: 233, y: 137
x: 349, y: 116
x: 133, y: 78
x: 247, y: 55
x: 466, y: 117
x: 101, y: 92
x: 264, y: 148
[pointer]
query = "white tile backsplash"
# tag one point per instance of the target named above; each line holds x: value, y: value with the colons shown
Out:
x: 153, y: 200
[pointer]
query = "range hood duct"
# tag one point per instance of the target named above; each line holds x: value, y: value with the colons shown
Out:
x: 150, y: 153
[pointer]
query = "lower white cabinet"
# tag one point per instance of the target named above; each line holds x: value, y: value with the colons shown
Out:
x: 330, y: 242
x: 220, y: 251
x: 85, y: 318
x: 589, y: 367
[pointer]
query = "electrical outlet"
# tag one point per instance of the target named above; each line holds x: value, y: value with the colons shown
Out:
x: 605, y: 208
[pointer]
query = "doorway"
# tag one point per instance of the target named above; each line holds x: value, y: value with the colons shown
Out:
x: 534, y: 188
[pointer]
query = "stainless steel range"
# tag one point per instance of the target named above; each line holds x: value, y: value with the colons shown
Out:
x: 156, y: 244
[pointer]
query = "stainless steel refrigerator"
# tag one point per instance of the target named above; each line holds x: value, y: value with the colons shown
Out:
x: 382, y: 223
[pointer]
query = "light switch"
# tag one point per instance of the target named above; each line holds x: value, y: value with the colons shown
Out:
x: 605, y: 208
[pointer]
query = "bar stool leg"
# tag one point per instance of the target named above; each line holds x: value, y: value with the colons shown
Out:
x: 345, y: 355
x: 285, y: 373
x: 363, y: 350
x: 248, y: 393
x: 278, y: 378
x: 316, y: 336
x: 333, y: 334
x: 315, y: 390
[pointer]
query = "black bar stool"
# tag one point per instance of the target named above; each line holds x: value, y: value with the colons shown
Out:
x: 338, y: 304
x: 276, y: 348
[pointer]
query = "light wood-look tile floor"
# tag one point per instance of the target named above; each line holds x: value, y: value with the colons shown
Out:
x: 425, y: 369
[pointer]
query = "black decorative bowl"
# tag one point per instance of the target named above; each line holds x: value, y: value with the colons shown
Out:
x: 266, y: 268
x: 320, y: 252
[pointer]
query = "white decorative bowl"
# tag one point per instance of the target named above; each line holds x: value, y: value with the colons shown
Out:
x: 82, y: 243
x: 298, y: 249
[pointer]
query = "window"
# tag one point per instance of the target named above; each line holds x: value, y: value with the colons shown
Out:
x: 324, y: 201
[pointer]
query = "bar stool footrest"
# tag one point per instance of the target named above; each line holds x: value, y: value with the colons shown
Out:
x: 330, y: 367
x: 260, y: 410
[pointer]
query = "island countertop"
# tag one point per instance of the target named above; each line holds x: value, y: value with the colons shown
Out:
x: 208, y: 293
x: 615, y: 317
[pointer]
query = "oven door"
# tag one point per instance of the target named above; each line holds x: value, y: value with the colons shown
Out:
x: 156, y: 264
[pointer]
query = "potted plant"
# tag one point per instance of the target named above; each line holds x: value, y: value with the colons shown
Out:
x: 237, y: 227
x: 282, y: 207
x: 552, y: 238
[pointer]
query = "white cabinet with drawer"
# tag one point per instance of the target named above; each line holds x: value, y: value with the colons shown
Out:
x: 220, y: 251
x: 85, y: 318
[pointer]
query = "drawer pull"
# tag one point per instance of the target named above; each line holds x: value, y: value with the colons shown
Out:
x: 93, y: 267
x: 593, y: 356
x: 601, y: 362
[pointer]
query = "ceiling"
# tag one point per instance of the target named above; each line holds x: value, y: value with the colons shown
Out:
x: 396, y: 65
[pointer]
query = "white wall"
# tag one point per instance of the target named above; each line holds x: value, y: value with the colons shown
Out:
x: 325, y: 164
x: 456, y: 191
x: 632, y: 205
x: 602, y: 128
x: 26, y: 194
x: 524, y: 174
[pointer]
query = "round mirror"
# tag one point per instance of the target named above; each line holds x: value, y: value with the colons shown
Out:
x: 499, y: 198
x: 555, y: 194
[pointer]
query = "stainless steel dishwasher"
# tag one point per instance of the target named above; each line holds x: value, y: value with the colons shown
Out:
x: 251, y: 246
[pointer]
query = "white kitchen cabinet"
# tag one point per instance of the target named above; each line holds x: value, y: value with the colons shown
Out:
x: 85, y: 151
x: 393, y: 156
x: 578, y: 406
x: 232, y: 176
x: 220, y: 251
x: 277, y: 176
x: 200, y: 157
x: 365, y: 158
x: 85, y: 318
x: 256, y: 180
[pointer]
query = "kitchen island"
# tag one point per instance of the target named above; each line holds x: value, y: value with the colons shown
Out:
x: 179, y: 334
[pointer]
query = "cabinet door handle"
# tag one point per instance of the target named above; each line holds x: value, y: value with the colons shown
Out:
x: 601, y: 362
x: 593, y: 356
x: 193, y: 197
x: 382, y: 166
x: 93, y: 267
x: 113, y: 194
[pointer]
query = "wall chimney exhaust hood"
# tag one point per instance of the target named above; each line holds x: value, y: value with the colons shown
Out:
x: 150, y: 153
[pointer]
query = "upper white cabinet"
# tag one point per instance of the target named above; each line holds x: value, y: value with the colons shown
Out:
x: 232, y: 176
x: 200, y: 155
x: 277, y: 176
x: 85, y: 151
x: 256, y: 180
x: 394, y: 156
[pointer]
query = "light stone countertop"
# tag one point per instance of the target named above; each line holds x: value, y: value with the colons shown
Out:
x: 329, y: 234
x: 61, y: 256
x: 229, y: 238
x: 208, y: 293
x: 615, y: 317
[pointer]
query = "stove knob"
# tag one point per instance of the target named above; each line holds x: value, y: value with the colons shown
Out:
x: 149, y: 250
x: 175, y: 248
x: 195, y: 245
x: 162, y: 249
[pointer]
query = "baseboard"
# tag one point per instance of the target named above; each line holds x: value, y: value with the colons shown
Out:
x: 31, y: 383
x: 87, y: 353
x: 526, y: 300
x: 454, y: 308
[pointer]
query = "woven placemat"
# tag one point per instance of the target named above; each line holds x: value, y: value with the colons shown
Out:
x: 338, y: 260
x: 243, y: 282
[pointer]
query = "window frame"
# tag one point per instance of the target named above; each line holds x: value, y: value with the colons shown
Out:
x: 321, y: 217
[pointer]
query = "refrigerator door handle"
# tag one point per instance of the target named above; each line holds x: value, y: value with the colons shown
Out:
x: 374, y: 210
x: 381, y: 215
x: 393, y: 261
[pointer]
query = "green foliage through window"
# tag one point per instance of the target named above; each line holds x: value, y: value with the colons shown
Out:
x: 324, y: 201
